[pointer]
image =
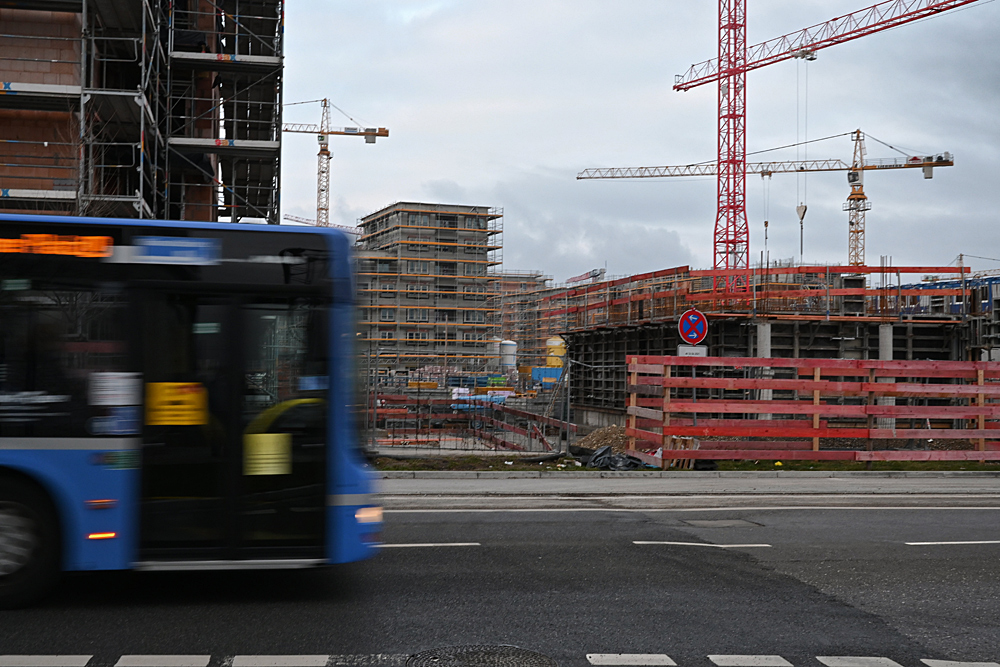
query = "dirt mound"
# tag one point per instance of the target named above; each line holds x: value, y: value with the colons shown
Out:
x: 603, y: 437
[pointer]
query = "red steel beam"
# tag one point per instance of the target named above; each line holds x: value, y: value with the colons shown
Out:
x: 883, y: 16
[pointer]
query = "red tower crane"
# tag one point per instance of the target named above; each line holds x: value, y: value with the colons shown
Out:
x: 732, y: 235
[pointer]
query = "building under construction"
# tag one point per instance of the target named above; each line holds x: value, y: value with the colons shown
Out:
x: 426, y: 293
x: 135, y: 108
x: 790, y: 311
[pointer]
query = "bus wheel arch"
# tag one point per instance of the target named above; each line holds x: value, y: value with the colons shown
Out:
x: 30, y: 540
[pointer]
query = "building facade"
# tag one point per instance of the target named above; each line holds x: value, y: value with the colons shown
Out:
x: 426, y: 287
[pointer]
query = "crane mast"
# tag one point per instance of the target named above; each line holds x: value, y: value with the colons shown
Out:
x: 323, y: 170
x: 857, y: 203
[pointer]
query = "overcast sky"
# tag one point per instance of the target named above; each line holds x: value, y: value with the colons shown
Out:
x: 502, y: 102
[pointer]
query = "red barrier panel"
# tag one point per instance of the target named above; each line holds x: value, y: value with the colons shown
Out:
x: 813, y: 399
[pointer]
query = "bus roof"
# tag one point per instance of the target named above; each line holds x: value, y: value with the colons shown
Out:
x: 179, y: 224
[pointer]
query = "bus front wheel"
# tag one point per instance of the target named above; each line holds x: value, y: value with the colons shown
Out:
x: 29, y: 543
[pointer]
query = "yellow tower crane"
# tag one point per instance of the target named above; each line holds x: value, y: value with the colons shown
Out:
x: 323, y: 132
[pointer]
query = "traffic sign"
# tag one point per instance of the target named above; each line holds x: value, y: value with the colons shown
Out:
x: 693, y: 327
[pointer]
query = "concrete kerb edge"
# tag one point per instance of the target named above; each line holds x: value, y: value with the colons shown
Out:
x: 677, y: 474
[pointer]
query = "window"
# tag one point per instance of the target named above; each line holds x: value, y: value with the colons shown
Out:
x: 447, y: 268
x: 387, y: 337
x: 387, y: 315
x: 474, y: 292
x: 388, y: 291
x: 418, y: 290
x: 446, y: 316
x: 58, y: 348
x: 475, y: 269
x: 472, y: 340
x: 474, y: 316
x: 418, y: 266
x: 417, y: 338
x: 417, y: 314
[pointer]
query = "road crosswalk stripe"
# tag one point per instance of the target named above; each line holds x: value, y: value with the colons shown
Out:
x: 44, y: 660
x: 749, y: 661
x: 953, y: 663
x: 280, y: 660
x: 856, y: 661
x: 630, y: 659
x: 163, y: 661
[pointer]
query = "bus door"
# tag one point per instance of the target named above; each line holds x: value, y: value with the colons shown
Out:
x: 234, y: 455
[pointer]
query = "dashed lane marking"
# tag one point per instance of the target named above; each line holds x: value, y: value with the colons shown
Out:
x: 630, y: 659
x: 855, y: 661
x: 163, y: 661
x: 703, y: 544
x: 280, y: 660
x: 952, y: 663
x: 44, y: 660
x: 934, y: 544
x: 430, y: 544
x: 749, y: 661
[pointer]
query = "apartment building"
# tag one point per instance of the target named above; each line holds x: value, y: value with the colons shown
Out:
x: 426, y: 286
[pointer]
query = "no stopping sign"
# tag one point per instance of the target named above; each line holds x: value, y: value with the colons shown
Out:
x: 693, y: 327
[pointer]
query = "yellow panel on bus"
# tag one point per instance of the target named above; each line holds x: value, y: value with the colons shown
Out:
x: 176, y: 404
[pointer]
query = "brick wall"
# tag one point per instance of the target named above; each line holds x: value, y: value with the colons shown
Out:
x: 48, y: 52
x: 38, y: 149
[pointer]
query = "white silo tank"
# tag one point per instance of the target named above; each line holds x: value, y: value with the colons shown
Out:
x: 508, y: 354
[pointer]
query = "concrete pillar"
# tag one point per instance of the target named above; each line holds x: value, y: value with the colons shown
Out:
x: 764, y: 352
x: 885, y: 354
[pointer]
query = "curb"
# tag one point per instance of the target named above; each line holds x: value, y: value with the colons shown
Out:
x: 678, y: 474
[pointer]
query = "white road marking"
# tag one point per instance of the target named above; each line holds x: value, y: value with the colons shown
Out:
x: 430, y: 544
x: 280, y: 660
x: 630, y: 659
x: 855, y: 661
x: 953, y: 663
x: 44, y: 660
x: 932, y: 544
x: 163, y: 661
x: 702, y: 544
x: 374, y: 660
x: 749, y: 661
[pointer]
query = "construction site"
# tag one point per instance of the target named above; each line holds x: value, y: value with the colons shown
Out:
x: 173, y: 110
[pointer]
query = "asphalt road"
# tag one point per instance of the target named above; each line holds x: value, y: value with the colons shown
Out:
x: 572, y: 583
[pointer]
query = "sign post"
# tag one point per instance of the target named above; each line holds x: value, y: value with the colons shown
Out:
x: 693, y: 327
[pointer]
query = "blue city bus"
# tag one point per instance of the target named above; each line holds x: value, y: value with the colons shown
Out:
x: 176, y: 396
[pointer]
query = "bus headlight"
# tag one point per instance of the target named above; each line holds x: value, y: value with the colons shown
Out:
x: 369, y: 515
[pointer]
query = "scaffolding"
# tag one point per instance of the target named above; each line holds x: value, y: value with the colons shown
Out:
x: 134, y: 108
x: 519, y: 294
x: 427, y: 287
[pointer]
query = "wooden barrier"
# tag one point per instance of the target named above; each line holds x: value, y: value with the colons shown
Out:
x: 813, y: 399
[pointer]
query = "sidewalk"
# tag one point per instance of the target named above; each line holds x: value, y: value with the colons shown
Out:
x: 665, y: 489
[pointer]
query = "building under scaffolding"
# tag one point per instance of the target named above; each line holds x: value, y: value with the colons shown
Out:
x: 426, y: 292
x: 518, y: 293
x: 135, y: 108
x: 840, y: 312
